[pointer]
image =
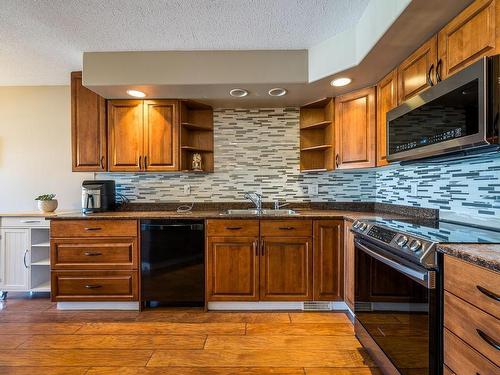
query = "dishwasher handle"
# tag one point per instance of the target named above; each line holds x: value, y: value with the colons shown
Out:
x: 167, y: 226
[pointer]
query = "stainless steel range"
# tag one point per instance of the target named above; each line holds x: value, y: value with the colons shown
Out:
x: 398, y: 293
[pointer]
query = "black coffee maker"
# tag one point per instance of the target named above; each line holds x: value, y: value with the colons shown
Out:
x: 98, y: 196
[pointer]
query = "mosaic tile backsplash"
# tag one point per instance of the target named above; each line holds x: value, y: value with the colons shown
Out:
x: 258, y: 150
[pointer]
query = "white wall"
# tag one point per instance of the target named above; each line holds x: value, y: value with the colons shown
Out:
x: 35, y: 148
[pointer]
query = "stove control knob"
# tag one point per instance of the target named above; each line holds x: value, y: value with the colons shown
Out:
x: 415, y: 245
x: 402, y: 240
x: 363, y: 226
x: 356, y: 224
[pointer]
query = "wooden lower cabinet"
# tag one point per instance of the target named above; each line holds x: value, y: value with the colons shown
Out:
x: 328, y: 270
x: 286, y: 269
x: 349, y: 265
x: 232, y: 269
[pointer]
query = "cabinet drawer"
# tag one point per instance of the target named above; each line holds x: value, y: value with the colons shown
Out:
x: 462, y: 359
x: 24, y: 222
x: 472, y: 325
x: 476, y: 285
x: 295, y: 228
x: 94, y: 286
x: 93, y: 228
x: 94, y: 253
x: 247, y: 228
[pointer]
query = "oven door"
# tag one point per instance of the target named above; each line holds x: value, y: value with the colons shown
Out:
x: 396, y: 311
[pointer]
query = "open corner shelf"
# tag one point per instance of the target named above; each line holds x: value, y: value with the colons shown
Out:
x: 317, y: 136
x: 197, y: 135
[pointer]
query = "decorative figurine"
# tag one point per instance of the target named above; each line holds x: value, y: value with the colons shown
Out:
x: 196, y: 164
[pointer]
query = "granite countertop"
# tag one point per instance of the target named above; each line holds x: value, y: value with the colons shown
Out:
x: 216, y: 214
x: 484, y: 255
x: 36, y: 213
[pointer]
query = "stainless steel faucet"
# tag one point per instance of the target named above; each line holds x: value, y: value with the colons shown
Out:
x: 278, y: 205
x: 256, y: 199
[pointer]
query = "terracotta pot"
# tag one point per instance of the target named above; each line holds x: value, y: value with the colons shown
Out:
x: 47, y: 206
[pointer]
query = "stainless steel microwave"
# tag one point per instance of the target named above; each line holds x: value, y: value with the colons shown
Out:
x: 457, y: 114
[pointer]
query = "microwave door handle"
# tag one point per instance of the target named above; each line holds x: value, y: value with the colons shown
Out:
x: 423, y: 278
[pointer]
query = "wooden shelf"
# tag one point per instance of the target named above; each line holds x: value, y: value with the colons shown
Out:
x: 316, y: 148
x: 196, y: 127
x: 43, y: 262
x: 43, y: 244
x: 43, y: 287
x: 317, y: 125
x: 197, y: 149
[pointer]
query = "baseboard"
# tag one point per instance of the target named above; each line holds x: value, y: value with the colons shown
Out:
x: 98, y: 306
x: 261, y: 305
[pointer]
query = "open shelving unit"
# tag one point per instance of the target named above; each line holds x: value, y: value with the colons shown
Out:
x: 40, y: 260
x: 317, y: 136
x: 197, y: 135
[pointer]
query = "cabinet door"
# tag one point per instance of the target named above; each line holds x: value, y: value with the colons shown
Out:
x: 349, y: 265
x: 468, y: 37
x: 286, y: 269
x: 161, y: 135
x: 88, y: 128
x: 125, y: 135
x: 232, y: 269
x: 14, y: 260
x: 355, y: 129
x: 417, y: 72
x: 387, y: 99
x: 328, y: 269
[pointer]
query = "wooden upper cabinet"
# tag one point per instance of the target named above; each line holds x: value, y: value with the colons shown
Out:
x: 387, y: 99
x: 125, y: 135
x: 328, y: 256
x: 161, y: 135
x: 469, y: 36
x: 88, y: 128
x: 355, y: 129
x: 232, y: 269
x: 286, y: 269
x: 417, y: 72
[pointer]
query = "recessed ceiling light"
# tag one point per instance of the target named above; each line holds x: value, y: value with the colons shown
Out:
x: 277, y: 91
x: 341, y: 81
x: 136, y: 93
x: 238, y: 93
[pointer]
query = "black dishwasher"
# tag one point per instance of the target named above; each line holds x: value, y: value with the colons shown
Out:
x: 172, y: 262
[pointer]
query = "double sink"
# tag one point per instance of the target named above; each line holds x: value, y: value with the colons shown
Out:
x: 254, y: 212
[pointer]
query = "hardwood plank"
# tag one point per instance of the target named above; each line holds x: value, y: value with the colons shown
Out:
x: 282, y: 342
x: 319, y: 317
x: 194, y: 371
x: 54, y: 316
x: 42, y: 328
x: 37, y: 304
x: 12, y: 341
x: 300, y: 329
x: 343, y: 371
x: 147, y: 328
x: 74, y: 357
x: 43, y: 370
x: 260, y: 358
x: 113, y: 342
x: 213, y: 317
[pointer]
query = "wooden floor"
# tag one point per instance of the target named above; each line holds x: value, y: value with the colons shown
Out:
x: 36, y: 338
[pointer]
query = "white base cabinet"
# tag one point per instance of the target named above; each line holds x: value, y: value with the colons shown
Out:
x: 24, y: 255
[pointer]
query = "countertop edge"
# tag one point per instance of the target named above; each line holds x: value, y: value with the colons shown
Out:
x: 472, y: 254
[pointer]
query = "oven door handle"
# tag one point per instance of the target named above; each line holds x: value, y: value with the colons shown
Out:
x: 425, y: 278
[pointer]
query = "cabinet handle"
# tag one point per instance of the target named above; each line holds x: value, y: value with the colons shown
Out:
x: 488, y: 293
x: 102, y: 162
x: 438, y: 70
x: 30, y: 221
x: 233, y: 228
x: 24, y: 258
x: 91, y: 254
x: 429, y: 78
x: 93, y: 286
x: 91, y: 229
x: 488, y: 339
x: 286, y: 228
x: 255, y: 248
x: 337, y: 160
x: 262, y: 247
x: 140, y: 162
x: 145, y: 161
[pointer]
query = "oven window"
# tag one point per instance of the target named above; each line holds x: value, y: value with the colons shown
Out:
x: 394, y: 310
x: 450, y: 116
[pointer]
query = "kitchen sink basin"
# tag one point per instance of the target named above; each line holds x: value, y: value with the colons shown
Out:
x: 253, y: 212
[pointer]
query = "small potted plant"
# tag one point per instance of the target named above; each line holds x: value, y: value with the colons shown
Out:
x: 46, y: 202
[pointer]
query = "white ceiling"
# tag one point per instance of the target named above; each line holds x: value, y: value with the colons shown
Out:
x: 41, y: 41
